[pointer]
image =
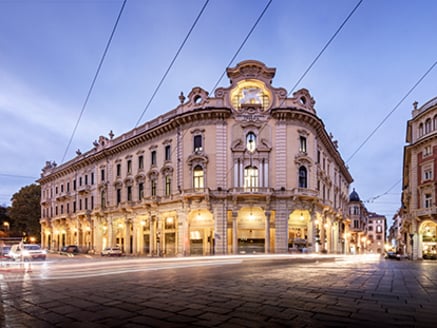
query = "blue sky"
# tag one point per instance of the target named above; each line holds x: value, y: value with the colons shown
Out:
x: 49, y: 52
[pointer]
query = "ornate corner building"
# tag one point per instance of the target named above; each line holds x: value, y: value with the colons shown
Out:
x: 417, y: 230
x: 249, y: 170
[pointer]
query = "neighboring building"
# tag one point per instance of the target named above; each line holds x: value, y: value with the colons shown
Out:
x: 357, y: 224
x: 375, y: 235
x: 247, y: 170
x: 396, y: 241
x: 367, y: 230
x: 419, y: 212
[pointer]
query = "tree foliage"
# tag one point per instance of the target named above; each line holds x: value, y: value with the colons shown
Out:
x: 25, y: 211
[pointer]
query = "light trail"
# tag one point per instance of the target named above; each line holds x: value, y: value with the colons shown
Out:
x: 55, y: 272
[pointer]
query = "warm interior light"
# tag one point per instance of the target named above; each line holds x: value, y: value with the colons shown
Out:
x: 301, y: 216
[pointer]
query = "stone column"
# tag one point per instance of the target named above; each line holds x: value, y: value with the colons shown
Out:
x: 110, y: 233
x: 323, y: 235
x: 220, y: 228
x: 182, y: 233
x: 234, y: 232
x: 267, y: 233
x: 152, y: 235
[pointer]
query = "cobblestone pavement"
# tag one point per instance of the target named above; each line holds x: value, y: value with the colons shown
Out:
x: 294, y: 292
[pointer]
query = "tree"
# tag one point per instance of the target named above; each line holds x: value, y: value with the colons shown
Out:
x: 25, y: 212
x: 4, y: 221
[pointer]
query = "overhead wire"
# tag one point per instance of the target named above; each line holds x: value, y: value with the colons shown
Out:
x: 392, y: 111
x: 236, y: 54
x: 323, y: 49
x: 94, y: 80
x: 17, y: 176
x: 171, y: 63
x: 309, y: 67
x: 315, y: 59
x: 384, y: 120
x: 242, y: 45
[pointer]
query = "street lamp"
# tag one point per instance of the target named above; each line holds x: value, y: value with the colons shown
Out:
x: 6, y: 226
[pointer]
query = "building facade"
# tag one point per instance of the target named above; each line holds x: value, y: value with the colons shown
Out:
x: 249, y: 170
x: 419, y: 210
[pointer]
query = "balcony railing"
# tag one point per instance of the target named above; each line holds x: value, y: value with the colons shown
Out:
x: 426, y: 211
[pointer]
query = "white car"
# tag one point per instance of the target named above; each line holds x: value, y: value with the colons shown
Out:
x: 27, y: 252
x: 112, y: 251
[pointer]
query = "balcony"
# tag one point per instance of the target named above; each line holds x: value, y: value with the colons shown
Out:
x: 63, y: 196
x: 84, y: 189
x: 425, y: 212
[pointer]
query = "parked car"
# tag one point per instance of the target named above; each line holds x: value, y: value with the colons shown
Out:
x: 70, y: 249
x: 27, y: 252
x: 112, y: 251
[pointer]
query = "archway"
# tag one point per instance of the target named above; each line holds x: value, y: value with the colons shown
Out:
x: 428, y: 245
x: 201, y: 232
x: 298, y: 231
x: 251, y: 230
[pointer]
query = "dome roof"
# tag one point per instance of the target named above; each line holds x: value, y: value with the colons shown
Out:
x: 353, y: 197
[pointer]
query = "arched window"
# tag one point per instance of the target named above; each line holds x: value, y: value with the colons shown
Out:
x: 303, y: 177
x: 250, y: 178
x: 428, y: 126
x: 198, y: 178
x: 251, y: 142
x: 420, y: 130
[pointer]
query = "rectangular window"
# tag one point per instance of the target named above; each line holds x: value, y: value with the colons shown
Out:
x: 80, y: 204
x: 167, y: 152
x: 250, y: 178
x: 74, y: 206
x: 303, y: 144
x: 141, y: 162
x: 198, y: 143
x: 102, y: 174
x: 129, y: 193
x: 62, y: 209
x: 86, y: 203
x: 118, y: 196
x: 80, y: 181
x: 153, y: 157
x: 379, y: 228
x: 92, y: 178
x: 356, y: 224
x: 153, y: 187
x: 118, y: 169
x: 129, y: 166
x: 68, y: 186
x: 167, y: 185
x: 68, y: 208
x: 427, y: 174
x: 62, y: 188
x: 428, y: 201
x: 92, y: 202
x: 198, y: 178
x: 74, y: 184
x: 140, y: 190
x: 86, y: 179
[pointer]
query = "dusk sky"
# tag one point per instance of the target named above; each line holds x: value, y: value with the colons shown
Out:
x: 50, y: 51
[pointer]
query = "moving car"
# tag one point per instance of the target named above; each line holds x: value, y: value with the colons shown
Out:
x: 27, y: 252
x: 70, y: 249
x: 112, y: 251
